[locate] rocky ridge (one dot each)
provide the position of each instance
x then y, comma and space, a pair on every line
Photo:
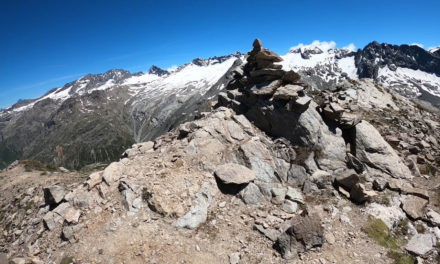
142, 106
274, 166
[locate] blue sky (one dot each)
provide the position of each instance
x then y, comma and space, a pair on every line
45, 44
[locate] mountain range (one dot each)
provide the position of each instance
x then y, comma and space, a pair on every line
95, 118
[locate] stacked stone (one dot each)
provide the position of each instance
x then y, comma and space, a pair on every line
340, 107
262, 78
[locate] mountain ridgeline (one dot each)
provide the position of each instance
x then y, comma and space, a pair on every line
95, 118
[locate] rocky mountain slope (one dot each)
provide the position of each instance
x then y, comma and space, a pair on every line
96, 117
277, 173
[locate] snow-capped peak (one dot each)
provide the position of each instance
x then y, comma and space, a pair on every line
157, 71
417, 44
199, 73
434, 50
322, 56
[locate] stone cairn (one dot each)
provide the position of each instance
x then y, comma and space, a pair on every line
261, 78
261, 82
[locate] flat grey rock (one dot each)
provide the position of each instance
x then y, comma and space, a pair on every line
289, 207
294, 195
414, 206
420, 244
433, 217
232, 173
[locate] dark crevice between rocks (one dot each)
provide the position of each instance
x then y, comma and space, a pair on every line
231, 189
278, 176
332, 126
349, 135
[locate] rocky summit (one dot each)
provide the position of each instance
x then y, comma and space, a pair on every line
275, 172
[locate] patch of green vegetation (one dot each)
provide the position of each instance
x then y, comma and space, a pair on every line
402, 228
401, 258
51, 167
29, 205
383, 198
379, 231
303, 207
88, 169
7, 155
31, 165
68, 260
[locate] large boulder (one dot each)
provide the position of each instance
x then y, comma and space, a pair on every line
94, 179
375, 152
360, 194
328, 142
112, 173
54, 194
305, 128
305, 233
251, 194
63, 212
232, 173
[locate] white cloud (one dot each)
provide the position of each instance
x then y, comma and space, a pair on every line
322, 45
350, 47
417, 44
